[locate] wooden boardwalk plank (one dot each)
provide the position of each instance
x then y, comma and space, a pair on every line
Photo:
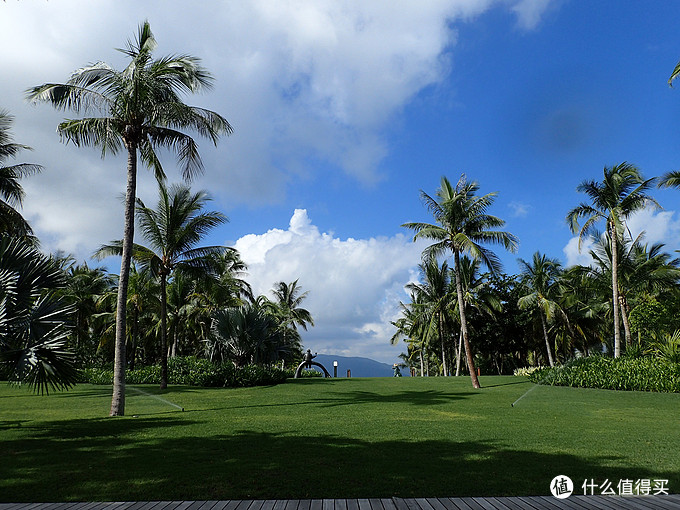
454, 504
671, 502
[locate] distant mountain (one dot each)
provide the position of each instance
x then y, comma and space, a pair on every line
360, 367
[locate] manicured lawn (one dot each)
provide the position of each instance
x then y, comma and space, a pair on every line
332, 439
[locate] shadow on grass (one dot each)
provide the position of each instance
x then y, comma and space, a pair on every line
135, 459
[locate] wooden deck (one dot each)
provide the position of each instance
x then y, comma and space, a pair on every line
670, 502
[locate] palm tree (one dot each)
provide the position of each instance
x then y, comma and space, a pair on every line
34, 318
288, 299
172, 230
621, 193
11, 192
434, 297
541, 277
477, 295
462, 226
412, 328
244, 334
143, 111
85, 290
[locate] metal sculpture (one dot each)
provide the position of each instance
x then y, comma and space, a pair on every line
307, 363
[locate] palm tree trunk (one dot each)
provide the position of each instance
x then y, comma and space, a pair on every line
626, 324
135, 320
118, 398
441, 341
463, 324
545, 336
459, 352
422, 368
164, 334
615, 291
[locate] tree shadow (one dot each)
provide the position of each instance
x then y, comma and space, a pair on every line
163, 459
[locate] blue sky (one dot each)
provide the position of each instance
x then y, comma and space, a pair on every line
343, 111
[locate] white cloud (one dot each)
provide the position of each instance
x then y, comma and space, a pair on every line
300, 80
578, 257
354, 285
658, 227
529, 12
519, 210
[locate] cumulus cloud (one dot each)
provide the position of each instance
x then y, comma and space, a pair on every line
355, 285
301, 81
655, 227
576, 256
658, 227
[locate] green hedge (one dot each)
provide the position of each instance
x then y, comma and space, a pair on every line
193, 371
625, 373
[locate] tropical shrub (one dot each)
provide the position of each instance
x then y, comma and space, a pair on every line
526, 371
193, 371
625, 373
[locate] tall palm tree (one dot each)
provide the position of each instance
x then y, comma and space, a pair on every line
462, 226
541, 277
142, 110
172, 230
11, 192
621, 193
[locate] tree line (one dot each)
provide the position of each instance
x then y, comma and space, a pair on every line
172, 295
547, 314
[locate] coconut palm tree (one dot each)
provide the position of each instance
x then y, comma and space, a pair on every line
412, 328
172, 231
434, 298
11, 192
621, 193
462, 226
477, 295
541, 277
142, 110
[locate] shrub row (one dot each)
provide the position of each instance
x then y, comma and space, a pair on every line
193, 371
625, 373
526, 371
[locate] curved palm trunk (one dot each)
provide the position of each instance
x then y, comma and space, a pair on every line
164, 333
463, 324
118, 398
615, 292
545, 336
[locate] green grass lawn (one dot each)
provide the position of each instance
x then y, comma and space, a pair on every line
341, 438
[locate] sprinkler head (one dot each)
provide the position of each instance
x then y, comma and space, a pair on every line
512, 405
182, 409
